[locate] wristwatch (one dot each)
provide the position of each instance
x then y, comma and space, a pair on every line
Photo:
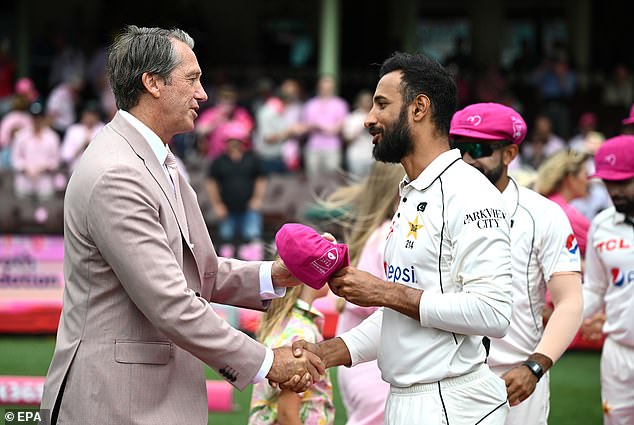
535, 368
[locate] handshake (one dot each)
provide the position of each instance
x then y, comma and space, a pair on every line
298, 367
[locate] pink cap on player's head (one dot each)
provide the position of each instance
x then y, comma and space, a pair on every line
615, 159
489, 121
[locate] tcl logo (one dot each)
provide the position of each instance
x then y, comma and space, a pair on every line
611, 245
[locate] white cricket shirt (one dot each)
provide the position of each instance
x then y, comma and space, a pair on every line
609, 274
542, 243
450, 238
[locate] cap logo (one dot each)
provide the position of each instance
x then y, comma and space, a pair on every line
326, 262
518, 128
474, 120
610, 159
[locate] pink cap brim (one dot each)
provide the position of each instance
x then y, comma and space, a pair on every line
475, 134
612, 175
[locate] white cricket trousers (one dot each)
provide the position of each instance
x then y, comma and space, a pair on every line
478, 398
617, 383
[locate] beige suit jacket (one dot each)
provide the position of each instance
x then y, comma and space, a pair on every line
136, 325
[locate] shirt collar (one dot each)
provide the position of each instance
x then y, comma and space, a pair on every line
433, 170
620, 218
511, 196
155, 142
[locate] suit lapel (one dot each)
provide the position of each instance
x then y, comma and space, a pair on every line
144, 151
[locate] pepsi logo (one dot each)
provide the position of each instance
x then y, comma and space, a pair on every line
571, 244
618, 278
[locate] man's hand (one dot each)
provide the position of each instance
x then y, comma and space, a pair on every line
282, 277
255, 204
301, 345
333, 352
520, 381
592, 328
220, 210
520, 384
295, 372
358, 287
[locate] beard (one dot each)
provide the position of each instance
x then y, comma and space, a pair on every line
493, 174
624, 206
396, 142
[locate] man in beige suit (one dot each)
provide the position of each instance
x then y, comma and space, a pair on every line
140, 268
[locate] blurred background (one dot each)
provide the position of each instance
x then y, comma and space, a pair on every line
566, 65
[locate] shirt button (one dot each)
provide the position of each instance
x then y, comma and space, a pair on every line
198, 294
398, 215
404, 199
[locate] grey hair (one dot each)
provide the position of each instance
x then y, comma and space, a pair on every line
137, 51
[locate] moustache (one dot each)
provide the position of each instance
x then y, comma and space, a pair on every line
374, 131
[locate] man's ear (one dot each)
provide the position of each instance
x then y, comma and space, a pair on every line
422, 105
510, 152
151, 82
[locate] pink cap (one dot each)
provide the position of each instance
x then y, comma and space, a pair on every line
630, 119
308, 256
489, 121
25, 87
615, 159
234, 131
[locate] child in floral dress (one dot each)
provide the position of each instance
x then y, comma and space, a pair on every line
288, 319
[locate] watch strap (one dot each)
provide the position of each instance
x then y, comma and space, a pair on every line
535, 368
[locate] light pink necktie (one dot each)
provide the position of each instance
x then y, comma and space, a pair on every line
172, 168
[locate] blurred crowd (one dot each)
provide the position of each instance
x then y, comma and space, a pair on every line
262, 151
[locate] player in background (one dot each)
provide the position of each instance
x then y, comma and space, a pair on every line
544, 254
609, 278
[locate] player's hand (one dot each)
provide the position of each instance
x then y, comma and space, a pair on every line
301, 345
591, 329
520, 384
358, 287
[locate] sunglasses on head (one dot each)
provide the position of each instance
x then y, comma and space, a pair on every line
479, 149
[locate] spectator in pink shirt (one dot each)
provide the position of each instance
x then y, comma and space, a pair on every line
562, 178
35, 157
62, 101
78, 135
212, 122
323, 118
